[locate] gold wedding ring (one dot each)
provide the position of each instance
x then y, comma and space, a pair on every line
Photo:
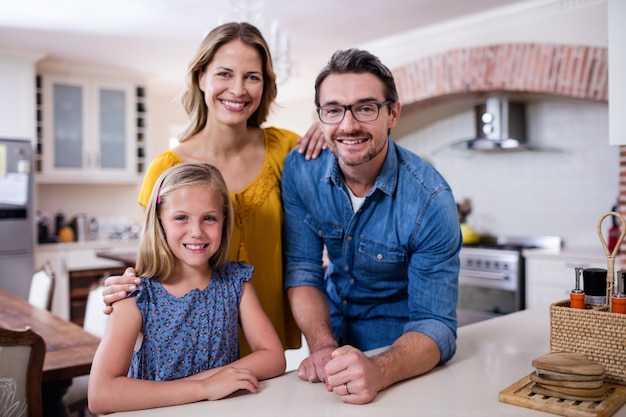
346, 387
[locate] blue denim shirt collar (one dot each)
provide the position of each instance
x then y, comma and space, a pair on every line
386, 181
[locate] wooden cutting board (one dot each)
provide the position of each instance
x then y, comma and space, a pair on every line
578, 394
520, 394
562, 377
598, 383
568, 363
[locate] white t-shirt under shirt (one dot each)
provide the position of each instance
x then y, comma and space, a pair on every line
356, 201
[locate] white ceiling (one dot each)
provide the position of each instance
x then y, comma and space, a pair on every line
158, 37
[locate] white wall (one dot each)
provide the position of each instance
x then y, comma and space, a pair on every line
532, 193
581, 22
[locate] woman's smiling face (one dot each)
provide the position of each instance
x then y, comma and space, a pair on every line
233, 83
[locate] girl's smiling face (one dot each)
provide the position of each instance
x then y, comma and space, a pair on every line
192, 220
233, 83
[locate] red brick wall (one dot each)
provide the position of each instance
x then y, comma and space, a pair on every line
566, 70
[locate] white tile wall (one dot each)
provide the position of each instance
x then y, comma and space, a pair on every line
562, 194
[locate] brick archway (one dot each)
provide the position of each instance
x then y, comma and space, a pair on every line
564, 70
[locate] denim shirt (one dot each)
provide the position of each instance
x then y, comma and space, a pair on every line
393, 264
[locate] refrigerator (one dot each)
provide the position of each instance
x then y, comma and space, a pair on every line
17, 217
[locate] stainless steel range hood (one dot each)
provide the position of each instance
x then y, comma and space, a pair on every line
500, 127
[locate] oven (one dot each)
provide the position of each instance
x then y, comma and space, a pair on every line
492, 277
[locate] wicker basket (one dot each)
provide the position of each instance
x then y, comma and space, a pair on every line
594, 332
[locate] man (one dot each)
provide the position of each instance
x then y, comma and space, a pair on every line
390, 226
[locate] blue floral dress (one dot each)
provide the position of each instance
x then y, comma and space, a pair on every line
183, 336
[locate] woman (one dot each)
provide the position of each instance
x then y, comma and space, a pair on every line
230, 89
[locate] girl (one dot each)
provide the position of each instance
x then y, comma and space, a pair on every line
178, 331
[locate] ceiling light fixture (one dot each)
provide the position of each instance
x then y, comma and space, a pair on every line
253, 11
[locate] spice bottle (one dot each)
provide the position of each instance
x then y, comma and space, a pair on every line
618, 301
594, 283
577, 297
59, 222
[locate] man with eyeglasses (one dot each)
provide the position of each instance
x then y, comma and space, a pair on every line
390, 226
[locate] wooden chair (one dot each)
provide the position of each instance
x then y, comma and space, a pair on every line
42, 288
21, 366
95, 323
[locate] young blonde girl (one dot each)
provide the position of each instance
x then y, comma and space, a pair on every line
174, 340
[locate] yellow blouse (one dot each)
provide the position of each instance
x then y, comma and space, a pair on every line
257, 233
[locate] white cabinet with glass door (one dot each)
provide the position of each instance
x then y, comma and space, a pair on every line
89, 130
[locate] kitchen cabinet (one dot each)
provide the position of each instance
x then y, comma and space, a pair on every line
76, 266
90, 129
550, 275
17, 98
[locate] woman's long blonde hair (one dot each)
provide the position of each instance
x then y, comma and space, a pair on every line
155, 258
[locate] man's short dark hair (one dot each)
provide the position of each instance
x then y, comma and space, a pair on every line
356, 61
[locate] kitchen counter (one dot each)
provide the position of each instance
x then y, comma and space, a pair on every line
550, 273
595, 253
491, 356
87, 244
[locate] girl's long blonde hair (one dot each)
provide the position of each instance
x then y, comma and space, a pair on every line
154, 258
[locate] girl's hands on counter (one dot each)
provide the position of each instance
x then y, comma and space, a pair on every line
228, 380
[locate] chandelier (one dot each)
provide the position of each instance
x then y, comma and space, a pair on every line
253, 12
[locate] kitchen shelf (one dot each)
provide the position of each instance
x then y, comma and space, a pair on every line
141, 128
80, 283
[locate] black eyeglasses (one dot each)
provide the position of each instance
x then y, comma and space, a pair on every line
368, 111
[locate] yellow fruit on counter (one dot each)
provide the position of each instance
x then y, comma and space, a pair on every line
469, 234
66, 234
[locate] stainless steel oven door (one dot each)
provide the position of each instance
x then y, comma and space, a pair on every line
487, 279
481, 303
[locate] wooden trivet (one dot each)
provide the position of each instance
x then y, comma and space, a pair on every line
520, 394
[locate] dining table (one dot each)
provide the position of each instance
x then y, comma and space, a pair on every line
492, 357
69, 348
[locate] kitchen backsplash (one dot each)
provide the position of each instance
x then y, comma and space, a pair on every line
533, 193
114, 207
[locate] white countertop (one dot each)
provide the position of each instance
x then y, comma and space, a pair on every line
595, 253
87, 244
491, 356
